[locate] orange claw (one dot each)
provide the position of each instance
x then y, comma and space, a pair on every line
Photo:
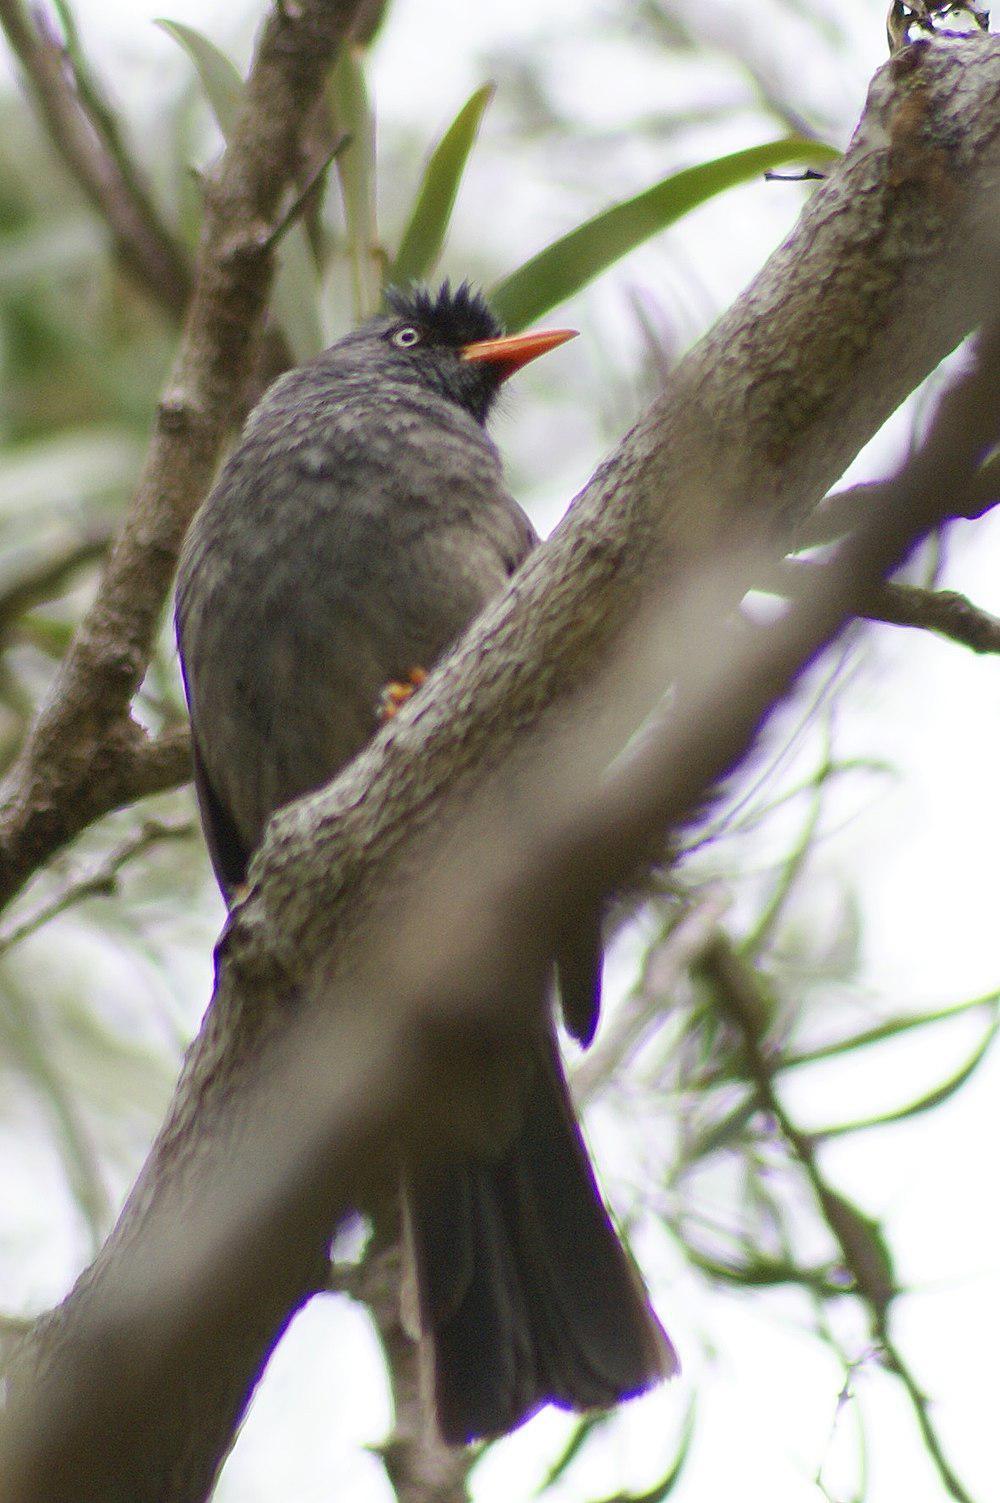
397, 692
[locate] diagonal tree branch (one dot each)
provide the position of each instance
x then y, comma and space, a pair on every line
69, 770
844, 510
943, 611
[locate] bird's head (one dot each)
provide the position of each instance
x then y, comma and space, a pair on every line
452, 341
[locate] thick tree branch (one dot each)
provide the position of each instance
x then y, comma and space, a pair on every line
59, 783
110, 180
375, 984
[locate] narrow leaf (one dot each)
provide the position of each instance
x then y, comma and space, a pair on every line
295, 296
891, 1028
424, 236
582, 1432
926, 1103
577, 258
220, 78
352, 117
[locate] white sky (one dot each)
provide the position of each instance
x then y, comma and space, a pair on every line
922, 855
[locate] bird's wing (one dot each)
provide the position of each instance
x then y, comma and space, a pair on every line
230, 856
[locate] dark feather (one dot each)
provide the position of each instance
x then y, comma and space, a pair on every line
456, 317
527, 1295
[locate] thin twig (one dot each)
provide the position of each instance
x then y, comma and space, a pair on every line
45, 572
301, 198
735, 986
945, 612
100, 882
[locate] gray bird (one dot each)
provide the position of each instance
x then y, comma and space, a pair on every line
359, 526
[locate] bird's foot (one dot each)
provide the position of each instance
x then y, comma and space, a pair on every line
397, 692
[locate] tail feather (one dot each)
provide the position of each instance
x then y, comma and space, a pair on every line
527, 1295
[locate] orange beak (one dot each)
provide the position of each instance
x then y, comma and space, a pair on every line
511, 351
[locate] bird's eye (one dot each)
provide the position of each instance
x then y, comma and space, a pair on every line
405, 339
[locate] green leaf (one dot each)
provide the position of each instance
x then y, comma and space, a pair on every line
352, 117
295, 296
866, 1252
582, 1432
577, 258
220, 78
424, 236
925, 1103
891, 1028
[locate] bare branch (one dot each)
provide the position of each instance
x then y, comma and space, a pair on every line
101, 882
418, 1464
844, 510
45, 572
943, 611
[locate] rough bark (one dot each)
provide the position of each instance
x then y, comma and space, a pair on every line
892, 262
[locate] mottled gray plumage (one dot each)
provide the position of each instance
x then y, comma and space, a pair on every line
359, 526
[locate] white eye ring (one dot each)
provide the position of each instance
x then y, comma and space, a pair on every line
405, 339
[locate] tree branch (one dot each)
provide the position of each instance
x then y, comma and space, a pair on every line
418, 1464
844, 510
66, 775
943, 611
28, 580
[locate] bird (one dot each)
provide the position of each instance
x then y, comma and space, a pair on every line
358, 527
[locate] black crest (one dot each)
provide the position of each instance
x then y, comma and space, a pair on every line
456, 318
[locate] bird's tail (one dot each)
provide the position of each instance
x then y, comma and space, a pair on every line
527, 1295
